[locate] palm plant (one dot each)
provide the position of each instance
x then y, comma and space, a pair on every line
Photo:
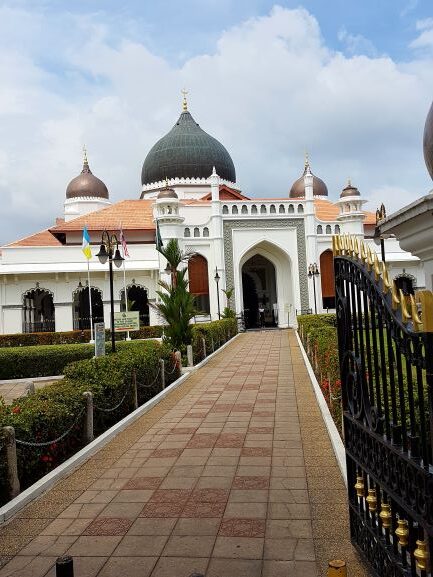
175, 256
228, 312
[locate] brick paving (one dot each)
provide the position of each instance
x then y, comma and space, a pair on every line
214, 482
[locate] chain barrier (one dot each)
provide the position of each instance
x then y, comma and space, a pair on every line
104, 410
172, 371
150, 385
46, 443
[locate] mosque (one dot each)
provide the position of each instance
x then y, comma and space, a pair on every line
274, 252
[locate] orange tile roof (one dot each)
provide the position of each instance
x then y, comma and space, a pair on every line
132, 214
43, 238
327, 211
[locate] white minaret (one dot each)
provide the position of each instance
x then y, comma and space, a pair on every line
351, 214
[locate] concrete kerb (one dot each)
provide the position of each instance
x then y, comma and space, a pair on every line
34, 379
334, 435
15, 505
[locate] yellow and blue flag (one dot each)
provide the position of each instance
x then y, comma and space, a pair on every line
87, 251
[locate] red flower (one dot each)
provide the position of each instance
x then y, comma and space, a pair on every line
45, 458
53, 446
16, 410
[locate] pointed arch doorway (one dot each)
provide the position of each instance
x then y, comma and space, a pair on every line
259, 290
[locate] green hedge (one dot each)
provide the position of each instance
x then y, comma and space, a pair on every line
215, 333
52, 410
70, 337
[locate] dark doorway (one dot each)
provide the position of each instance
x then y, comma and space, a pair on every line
259, 292
38, 311
137, 301
81, 305
405, 283
251, 302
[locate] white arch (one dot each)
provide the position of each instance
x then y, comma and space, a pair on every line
283, 266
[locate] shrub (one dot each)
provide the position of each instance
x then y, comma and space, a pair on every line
215, 333
54, 409
71, 337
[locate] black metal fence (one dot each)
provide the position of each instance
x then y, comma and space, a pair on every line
46, 326
386, 363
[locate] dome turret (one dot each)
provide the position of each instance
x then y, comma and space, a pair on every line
86, 184
298, 187
349, 190
187, 151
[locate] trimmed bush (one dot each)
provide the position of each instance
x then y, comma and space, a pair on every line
215, 333
52, 410
71, 337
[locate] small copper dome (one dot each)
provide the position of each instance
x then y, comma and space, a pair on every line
298, 187
167, 193
428, 141
86, 184
349, 190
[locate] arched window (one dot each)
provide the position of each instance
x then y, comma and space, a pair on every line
337, 229
328, 229
405, 282
300, 208
281, 209
81, 307
137, 301
199, 282
38, 311
196, 232
327, 279
206, 231
234, 209
291, 209
225, 209
244, 209
319, 229
254, 209
272, 209
263, 209
187, 232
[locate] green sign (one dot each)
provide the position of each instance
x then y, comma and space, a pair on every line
126, 321
99, 332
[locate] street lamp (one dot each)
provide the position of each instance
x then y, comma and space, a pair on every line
110, 251
217, 280
313, 271
380, 238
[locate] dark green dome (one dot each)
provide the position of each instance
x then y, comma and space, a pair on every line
187, 151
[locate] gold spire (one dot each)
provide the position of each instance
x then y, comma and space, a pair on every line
85, 161
184, 103
349, 183
307, 159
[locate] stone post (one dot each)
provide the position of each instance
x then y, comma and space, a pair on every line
162, 365
203, 340
88, 421
189, 355
134, 389
11, 460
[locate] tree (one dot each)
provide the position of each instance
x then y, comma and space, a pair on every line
228, 312
177, 304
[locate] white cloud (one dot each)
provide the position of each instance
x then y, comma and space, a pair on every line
424, 41
356, 43
271, 90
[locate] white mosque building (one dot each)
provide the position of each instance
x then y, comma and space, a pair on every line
265, 248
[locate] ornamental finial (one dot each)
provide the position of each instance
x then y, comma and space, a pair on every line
307, 159
85, 161
184, 104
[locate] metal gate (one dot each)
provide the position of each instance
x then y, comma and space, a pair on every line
385, 343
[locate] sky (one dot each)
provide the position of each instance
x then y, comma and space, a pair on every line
350, 82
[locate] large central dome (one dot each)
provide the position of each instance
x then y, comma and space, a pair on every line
187, 151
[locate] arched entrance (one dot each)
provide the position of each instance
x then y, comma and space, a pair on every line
259, 292
137, 301
81, 307
327, 279
38, 311
199, 282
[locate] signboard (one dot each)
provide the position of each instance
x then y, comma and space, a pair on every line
126, 321
99, 332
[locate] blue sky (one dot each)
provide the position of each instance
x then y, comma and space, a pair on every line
351, 81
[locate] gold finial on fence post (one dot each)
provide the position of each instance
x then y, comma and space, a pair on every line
421, 555
337, 568
425, 298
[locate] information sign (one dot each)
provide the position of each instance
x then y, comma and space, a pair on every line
99, 331
126, 321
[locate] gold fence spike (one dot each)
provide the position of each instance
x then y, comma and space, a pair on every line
402, 532
421, 555
385, 277
356, 247
334, 245
364, 255
376, 267
371, 500
395, 301
425, 298
417, 323
385, 515
359, 486
370, 260
405, 315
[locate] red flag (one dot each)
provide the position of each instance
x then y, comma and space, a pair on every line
123, 243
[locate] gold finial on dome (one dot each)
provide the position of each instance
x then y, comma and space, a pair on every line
349, 183
85, 161
307, 159
184, 103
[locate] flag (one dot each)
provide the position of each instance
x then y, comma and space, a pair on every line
123, 243
158, 239
87, 251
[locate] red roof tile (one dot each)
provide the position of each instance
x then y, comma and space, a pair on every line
43, 238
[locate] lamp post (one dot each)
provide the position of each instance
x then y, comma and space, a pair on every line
378, 237
110, 251
217, 280
313, 271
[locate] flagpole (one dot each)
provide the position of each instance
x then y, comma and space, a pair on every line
92, 340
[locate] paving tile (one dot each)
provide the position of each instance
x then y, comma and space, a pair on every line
239, 527
141, 546
119, 510
163, 510
133, 496
283, 528
234, 568
289, 569
280, 549
152, 526
108, 526
214, 483
188, 545
170, 496
48, 545
239, 547
90, 546
197, 526
247, 510
256, 452
210, 495
163, 453
83, 566
199, 510
179, 483
251, 482
180, 566
128, 567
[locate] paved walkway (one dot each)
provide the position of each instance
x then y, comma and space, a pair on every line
11, 390
223, 478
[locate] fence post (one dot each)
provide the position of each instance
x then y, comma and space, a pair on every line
203, 340
189, 355
178, 357
11, 459
162, 364
330, 392
134, 388
88, 422
30, 388
213, 346
65, 566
